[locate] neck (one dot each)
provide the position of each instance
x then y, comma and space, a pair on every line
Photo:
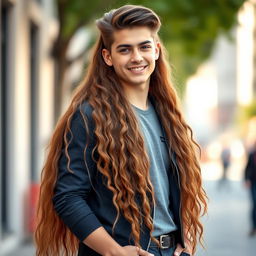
137, 96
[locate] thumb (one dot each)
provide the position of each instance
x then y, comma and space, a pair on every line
178, 250
142, 252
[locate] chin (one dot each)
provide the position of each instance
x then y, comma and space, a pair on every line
138, 83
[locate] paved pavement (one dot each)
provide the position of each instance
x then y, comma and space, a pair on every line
226, 226
228, 223
26, 249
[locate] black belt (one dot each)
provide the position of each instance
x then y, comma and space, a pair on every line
166, 241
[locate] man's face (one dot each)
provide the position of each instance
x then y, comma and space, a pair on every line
133, 56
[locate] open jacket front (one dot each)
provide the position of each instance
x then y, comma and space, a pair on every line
82, 199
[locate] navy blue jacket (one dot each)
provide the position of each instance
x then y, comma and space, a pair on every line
83, 201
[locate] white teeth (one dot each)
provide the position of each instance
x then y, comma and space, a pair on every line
137, 68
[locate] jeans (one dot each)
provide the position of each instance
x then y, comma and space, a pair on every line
253, 193
163, 252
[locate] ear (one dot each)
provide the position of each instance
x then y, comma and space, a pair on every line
157, 50
107, 57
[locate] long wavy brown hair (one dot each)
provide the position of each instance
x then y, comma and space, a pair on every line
124, 162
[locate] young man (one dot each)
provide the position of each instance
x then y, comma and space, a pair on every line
122, 174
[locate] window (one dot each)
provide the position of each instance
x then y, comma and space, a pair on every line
5, 13
34, 60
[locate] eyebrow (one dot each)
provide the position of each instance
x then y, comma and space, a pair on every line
129, 45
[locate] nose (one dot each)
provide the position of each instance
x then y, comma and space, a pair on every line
136, 56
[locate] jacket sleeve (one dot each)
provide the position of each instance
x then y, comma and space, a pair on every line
73, 188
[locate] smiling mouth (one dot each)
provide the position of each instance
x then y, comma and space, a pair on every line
137, 69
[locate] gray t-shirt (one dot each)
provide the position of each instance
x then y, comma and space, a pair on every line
159, 165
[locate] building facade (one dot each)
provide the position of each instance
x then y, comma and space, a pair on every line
226, 81
28, 28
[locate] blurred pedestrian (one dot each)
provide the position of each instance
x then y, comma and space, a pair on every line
225, 162
250, 181
122, 175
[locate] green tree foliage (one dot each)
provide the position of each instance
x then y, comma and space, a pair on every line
190, 28
249, 111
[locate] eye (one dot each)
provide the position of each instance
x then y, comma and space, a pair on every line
146, 47
124, 50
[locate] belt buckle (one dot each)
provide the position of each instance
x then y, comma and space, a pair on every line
162, 242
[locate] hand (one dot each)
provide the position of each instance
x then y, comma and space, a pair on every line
247, 184
130, 250
179, 250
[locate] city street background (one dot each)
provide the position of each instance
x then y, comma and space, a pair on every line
45, 49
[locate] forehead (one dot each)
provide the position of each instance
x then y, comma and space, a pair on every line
132, 36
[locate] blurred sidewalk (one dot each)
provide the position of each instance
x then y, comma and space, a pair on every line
26, 249
227, 223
